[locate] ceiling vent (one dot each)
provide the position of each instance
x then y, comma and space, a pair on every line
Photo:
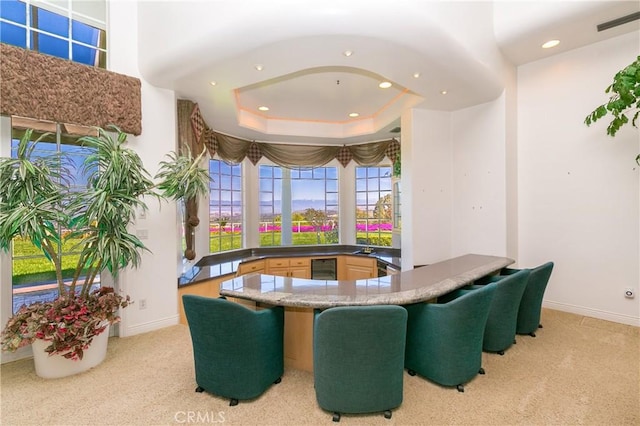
619, 21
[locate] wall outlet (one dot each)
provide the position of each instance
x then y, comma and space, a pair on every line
629, 293
142, 304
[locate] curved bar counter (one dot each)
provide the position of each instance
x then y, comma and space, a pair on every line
407, 287
301, 296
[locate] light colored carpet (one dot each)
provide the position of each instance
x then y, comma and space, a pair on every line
578, 371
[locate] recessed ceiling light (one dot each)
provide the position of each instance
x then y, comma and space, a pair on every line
347, 53
443, 92
259, 67
213, 83
384, 85
263, 108
550, 44
354, 114
416, 74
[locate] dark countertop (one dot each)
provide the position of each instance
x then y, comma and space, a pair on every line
407, 287
220, 264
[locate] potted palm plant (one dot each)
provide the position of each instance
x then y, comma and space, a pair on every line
37, 204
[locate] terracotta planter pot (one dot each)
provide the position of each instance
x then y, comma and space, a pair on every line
56, 366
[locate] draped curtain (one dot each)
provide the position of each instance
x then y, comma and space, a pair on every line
235, 150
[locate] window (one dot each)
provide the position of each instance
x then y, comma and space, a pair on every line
75, 33
298, 206
33, 276
373, 206
225, 206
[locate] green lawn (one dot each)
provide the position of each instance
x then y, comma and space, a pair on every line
38, 269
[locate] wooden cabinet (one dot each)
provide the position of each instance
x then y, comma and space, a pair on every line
298, 338
298, 267
253, 266
279, 267
357, 268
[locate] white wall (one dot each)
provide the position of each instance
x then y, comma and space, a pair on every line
155, 281
6, 288
578, 188
454, 183
479, 196
426, 187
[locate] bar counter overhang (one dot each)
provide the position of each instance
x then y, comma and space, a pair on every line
413, 286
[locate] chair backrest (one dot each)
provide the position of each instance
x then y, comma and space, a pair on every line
444, 340
359, 357
217, 322
539, 279
500, 330
531, 302
237, 351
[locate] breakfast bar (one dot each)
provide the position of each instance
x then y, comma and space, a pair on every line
301, 296
413, 286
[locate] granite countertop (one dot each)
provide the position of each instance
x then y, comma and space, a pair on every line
403, 288
221, 264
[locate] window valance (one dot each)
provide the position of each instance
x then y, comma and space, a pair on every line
235, 150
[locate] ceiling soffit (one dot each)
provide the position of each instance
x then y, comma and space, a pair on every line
332, 93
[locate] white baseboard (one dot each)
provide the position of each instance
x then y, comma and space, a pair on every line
148, 326
594, 313
130, 331
24, 352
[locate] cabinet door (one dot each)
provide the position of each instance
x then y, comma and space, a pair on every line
300, 267
358, 268
300, 272
281, 272
355, 272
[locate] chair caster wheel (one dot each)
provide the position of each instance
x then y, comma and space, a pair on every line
233, 402
199, 389
336, 417
411, 372
500, 353
460, 388
278, 380
387, 414
481, 371
532, 334
539, 325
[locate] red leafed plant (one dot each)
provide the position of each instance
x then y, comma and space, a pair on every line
69, 324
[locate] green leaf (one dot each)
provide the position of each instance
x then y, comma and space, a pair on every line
624, 93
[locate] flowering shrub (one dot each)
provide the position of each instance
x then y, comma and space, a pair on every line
373, 227
70, 323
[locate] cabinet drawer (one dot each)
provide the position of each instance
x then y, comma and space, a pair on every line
278, 263
299, 262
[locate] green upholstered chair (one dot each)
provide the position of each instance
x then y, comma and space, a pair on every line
500, 329
237, 351
358, 358
531, 303
444, 339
